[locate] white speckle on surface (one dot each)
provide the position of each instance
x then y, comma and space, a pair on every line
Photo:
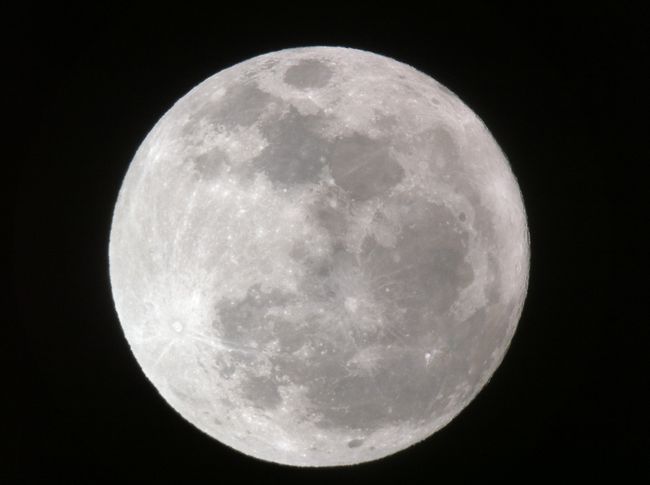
351, 304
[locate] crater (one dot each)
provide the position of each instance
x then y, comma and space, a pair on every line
355, 443
308, 73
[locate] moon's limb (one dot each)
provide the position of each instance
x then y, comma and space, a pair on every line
319, 256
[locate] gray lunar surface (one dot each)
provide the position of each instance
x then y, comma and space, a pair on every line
319, 256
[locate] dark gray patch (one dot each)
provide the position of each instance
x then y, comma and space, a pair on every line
289, 337
262, 392
494, 274
308, 73
295, 153
395, 391
444, 145
299, 251
317, 266
355, 443
364, 167
432, 268
386, 123
256, 70
349, 403
399, 390
410, 385
437, 146
210, 164
462, 216
489, 329
241, 105
246, 322
332, 220
329, 211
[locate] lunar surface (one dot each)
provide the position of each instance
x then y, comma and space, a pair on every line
319, 256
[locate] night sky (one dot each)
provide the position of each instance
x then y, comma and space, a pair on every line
558, 90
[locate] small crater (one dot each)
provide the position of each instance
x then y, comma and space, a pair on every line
462, 216
355, 443
177, 326
308, 73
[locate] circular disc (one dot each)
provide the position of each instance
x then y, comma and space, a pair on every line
319, 256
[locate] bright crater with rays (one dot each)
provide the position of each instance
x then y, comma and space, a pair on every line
319, 256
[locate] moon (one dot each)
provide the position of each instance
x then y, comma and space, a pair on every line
319, 256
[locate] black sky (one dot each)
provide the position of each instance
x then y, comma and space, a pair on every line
558, 90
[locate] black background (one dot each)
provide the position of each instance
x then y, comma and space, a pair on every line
556, 88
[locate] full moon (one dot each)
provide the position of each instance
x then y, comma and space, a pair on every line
319, 256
